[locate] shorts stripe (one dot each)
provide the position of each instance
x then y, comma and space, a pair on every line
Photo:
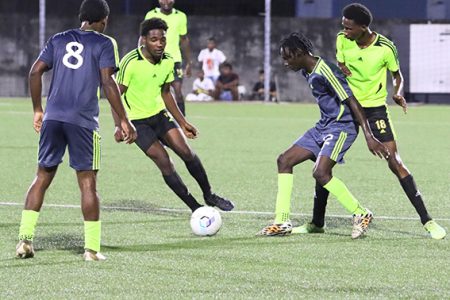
96, 151
390, 123
339, 144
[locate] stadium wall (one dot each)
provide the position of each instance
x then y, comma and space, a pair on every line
241, 39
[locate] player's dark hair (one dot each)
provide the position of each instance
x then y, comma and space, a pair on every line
357, 12
153, 23
212, 39
296, 41
226, 65
93, 10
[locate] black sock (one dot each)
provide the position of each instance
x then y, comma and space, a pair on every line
197, 171
182, 108
176, 184
320, 204
410, 188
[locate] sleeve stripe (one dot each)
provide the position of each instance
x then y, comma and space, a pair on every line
334, 82
386, 42
123, 65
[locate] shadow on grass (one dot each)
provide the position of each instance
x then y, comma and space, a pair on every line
142, 206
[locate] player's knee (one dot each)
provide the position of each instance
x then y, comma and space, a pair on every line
322, 176
283, 162
186, 155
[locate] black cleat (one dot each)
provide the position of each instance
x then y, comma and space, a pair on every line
222, 203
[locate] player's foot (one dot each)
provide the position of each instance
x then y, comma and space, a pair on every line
276, 229
90, 255
360, 224
435, 230
24, 249
222, 203
308, 228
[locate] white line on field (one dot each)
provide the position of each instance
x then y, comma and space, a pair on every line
239, 212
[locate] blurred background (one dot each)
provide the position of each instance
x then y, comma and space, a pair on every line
419, 28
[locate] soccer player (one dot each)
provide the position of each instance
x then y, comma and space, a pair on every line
326, 142
82, 60
176, 36
144, 79
365, 56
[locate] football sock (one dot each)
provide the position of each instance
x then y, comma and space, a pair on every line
92, 234
197, 171
320, 204
28, 224
179, 188
343, 195
410, 188
182, 108
283, 205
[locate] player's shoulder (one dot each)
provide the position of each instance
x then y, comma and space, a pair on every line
133, 55
167, 59
385, 43
178, 13
340, 36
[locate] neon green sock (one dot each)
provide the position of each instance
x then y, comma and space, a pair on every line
28, 224
283, 206
343, 195
92, 234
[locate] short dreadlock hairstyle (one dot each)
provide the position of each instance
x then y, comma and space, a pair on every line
93, 11
295, 42
153, 23
358, 13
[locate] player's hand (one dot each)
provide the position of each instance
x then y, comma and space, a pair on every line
400, 100
344, 69
377, 148
118, 134
188, 71
37, 120
189, 130
129, 134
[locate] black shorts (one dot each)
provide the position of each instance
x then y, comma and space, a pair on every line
178, 71
380, 123
154, 128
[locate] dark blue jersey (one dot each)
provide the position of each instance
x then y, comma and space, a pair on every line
330, 88
76, 57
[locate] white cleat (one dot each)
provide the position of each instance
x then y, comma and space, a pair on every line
24, 249
93, 256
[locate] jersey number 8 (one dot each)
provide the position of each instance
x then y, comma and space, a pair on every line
73, 53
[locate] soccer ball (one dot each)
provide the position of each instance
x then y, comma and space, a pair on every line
206, 221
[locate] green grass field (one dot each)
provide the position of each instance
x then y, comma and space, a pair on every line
153, 254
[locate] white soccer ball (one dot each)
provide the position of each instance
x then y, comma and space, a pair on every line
206, 221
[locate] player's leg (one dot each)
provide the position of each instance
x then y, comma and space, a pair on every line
176, 85
235, 93
52, 145
176, 140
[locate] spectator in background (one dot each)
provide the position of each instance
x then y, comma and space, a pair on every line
210, 59
202, 88
258, 89
227, 84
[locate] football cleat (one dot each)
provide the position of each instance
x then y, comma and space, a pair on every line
360, 224
307, 228
93, 256
222, 203
435, 230
276, 229
24, 249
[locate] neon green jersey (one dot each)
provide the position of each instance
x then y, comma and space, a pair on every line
144, 81
177, 23
369, 67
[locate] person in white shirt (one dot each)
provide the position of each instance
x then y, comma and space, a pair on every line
210, 59
202, 88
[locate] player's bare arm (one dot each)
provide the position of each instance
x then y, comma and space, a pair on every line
344, 69
112, 93
374, 145
398, 82
35, 81
189, 130
186, 52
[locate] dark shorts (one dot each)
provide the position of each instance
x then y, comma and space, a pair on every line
83, 145
331, 142
154, 128
178, 71
380, 123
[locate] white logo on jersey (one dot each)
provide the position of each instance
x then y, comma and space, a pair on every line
75, 54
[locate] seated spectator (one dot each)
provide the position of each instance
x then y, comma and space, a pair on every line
227, 84
210, 59
202, 88
258, 89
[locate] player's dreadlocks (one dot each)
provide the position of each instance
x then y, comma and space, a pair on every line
296, 41
357, 12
